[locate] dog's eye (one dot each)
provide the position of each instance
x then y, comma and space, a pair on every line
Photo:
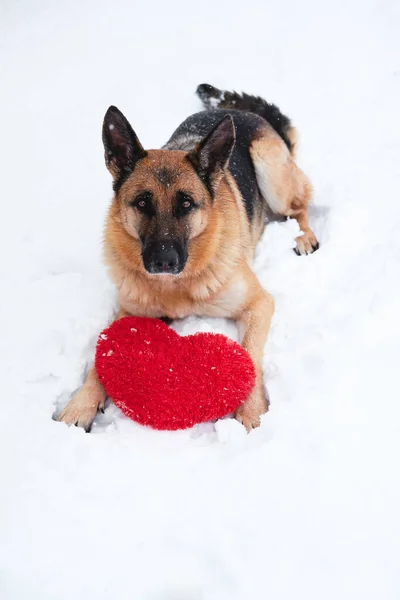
184, 203
143, 203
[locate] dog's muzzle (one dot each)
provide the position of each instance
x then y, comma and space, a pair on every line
164, 257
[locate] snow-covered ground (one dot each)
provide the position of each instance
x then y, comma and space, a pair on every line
305, 507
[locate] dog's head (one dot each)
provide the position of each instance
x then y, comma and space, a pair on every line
165, 198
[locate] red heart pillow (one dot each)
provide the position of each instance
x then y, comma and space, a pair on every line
166, 381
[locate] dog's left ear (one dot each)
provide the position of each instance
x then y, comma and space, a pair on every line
122, 148
211, 156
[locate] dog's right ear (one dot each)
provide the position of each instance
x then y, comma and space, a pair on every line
122, 148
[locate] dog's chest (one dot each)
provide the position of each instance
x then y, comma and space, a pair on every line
178, 304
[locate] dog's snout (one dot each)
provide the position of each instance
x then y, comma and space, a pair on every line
165, 259
162, 257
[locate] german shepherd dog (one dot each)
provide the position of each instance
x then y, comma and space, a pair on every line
184, 222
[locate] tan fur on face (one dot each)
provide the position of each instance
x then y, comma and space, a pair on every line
223, 242
164, 173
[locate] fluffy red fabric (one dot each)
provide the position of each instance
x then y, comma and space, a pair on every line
166, 381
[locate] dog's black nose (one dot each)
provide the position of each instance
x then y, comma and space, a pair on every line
162, 257
166, 260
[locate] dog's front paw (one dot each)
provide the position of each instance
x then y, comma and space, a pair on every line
249, 413
306, 243
82, 409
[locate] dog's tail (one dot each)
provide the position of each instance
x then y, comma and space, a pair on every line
214, 98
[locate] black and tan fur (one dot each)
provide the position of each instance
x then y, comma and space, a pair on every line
184, 222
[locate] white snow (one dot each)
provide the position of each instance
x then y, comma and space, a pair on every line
305, 507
